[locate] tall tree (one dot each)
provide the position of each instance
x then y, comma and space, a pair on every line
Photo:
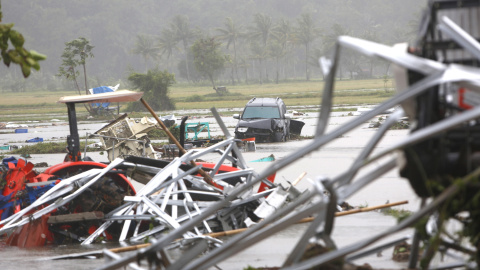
155, 86
167, 44
68, 69
75, 54
276, 51
262, 30
313, 59
285, 35
195, 76
208, 59
330, 39
257, 53
371, 35
231, 34
146, 47
181, 27
307, 32
243, 64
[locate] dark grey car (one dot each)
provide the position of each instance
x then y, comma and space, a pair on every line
266, 119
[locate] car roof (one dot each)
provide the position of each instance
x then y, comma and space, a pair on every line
267, 102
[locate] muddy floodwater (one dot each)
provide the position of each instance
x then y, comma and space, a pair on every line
331, 160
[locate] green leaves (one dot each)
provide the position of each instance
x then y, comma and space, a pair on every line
154, 84
25, 71
208, 59
33, 59
37, 56
75, 54
146, 47
16, 38
18, 54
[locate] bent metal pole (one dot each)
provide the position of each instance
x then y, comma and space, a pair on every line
205, 175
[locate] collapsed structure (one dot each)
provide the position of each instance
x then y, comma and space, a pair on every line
435, 81
80, 200
183, 201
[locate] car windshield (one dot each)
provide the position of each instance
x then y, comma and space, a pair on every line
261, 112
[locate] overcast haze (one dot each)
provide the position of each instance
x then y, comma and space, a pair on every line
113, 26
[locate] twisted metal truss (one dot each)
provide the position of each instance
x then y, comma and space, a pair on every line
312, 202
187, 220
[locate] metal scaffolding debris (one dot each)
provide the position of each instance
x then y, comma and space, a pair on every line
434, 76
183, 201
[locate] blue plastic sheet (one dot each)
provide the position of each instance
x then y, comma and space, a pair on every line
99, 90
5, 161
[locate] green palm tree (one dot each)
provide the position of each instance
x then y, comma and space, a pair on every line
261, 30
243, 64
145, 46
330, 39
167, 44
276, 51
284, 34
231, 34
183, 33
371, 35
257, 53
314, 57
307, 32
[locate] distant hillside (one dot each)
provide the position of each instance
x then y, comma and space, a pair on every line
113, 26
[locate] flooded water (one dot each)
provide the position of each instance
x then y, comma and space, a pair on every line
330, 161
39, 258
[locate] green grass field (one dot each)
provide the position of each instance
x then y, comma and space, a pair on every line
41, 105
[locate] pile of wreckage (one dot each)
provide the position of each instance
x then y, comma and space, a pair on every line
184, 201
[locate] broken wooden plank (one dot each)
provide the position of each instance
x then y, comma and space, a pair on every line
96, 215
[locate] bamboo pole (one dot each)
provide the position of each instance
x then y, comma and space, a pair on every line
300, 177
129, 248
309, 219
359, 210
205, 175
233, 232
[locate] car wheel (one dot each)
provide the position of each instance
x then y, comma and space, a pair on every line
278, 137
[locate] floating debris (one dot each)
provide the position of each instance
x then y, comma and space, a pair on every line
41, 165
401, 252
126, 136
5, 147
265, 159
35, 140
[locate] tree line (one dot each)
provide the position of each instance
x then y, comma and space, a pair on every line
262, 51
255, 42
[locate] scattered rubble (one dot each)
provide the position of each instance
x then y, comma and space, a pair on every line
184, 201
401, 252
